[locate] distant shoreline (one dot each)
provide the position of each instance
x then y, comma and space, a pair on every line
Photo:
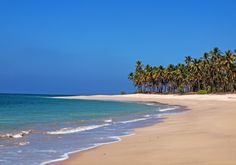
205, 134
148, 97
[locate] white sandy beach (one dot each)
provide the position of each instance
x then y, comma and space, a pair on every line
205, 135
156, 97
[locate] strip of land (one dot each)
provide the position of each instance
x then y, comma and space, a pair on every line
205, 135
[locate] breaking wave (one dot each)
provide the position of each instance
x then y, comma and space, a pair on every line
131, 121
75, 130
15, 135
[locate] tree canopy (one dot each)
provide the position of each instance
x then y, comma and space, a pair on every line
215, 71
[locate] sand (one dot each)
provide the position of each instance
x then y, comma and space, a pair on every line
204, 135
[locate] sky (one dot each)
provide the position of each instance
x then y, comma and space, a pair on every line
89, 47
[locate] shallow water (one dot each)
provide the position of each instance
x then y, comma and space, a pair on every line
40, 129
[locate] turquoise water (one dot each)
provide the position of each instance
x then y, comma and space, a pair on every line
36, 129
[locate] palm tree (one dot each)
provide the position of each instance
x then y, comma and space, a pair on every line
214, 71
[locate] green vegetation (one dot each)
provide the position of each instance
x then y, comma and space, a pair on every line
202, 92
214, 72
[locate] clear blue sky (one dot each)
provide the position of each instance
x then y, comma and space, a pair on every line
89, 47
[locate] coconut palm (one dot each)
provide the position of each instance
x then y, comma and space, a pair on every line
214, 72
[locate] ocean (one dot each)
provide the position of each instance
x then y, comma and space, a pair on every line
40, 129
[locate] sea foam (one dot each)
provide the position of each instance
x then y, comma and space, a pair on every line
131, 121
75, 130
108, 121
15, 135
167, 109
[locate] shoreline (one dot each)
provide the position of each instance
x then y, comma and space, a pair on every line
68, 155
86, 157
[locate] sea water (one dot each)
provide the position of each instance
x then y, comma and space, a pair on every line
36, 129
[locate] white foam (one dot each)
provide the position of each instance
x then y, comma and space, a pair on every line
23, 143
108, 121
131, 121
167, 109
75, 130
15, 136
150, 103
146, 116
66, 155
116, 138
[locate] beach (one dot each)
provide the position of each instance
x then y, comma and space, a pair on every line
205, 134
39, 130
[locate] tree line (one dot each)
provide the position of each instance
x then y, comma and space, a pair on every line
215, 71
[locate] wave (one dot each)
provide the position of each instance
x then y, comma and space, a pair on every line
167, 109
146, 116
75, 130
108, 121
131, 121
66, 155
150, 103
24, 143
15, 135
